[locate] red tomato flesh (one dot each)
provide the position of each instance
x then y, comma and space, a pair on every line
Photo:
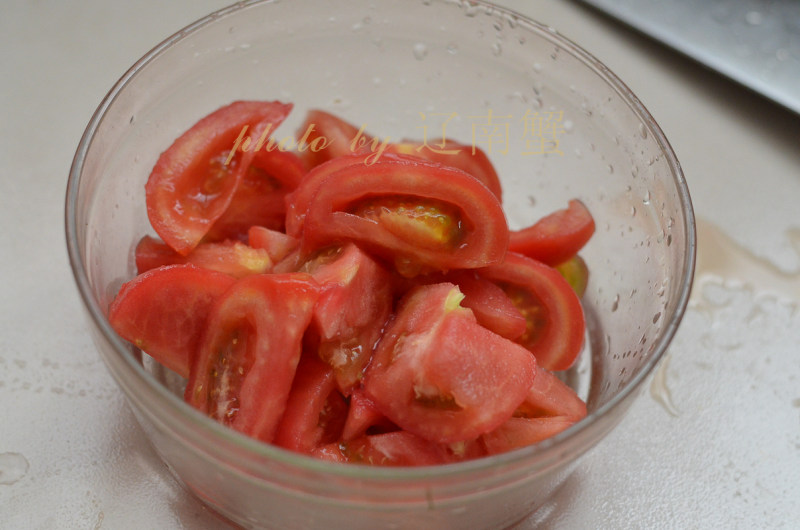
248, 355
555, 320
557, 237
193, 181
230, 257
315, 411
439, 374
163, 312
260, 198
467, 158
419, 215
354, 304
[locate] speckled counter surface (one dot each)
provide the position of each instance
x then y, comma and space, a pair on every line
713, 442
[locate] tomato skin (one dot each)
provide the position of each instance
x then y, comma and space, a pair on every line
229, 257
556, 237
191, 184
259, 199
164, 311
297, 201
304, 426
437, 373
556, 321
467, 158
482, 236
249, 352
354, 304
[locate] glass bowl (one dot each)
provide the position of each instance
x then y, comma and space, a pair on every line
556, 123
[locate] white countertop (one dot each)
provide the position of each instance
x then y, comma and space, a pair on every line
714, 442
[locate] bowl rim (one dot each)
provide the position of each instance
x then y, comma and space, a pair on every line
541, 455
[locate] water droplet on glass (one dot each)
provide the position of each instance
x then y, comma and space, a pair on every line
13, 466
633, 211
615, 304
646, 198
610, 169
497, 49
452, 48
420, 51
537, 67
568, 125
642, 130
634, 171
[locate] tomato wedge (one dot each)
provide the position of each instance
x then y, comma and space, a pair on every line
327, 137
550, 397
259, 199
277, 244
555, 320
422, 216
354, 304
363, 416
522, 432
297, 201
556, 237
230, 257
193, 181
249, 352
315, 411
163, 312
440, 374
467, 158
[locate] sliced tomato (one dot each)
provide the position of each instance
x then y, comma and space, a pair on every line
326, 137
522, 432
467, 158
555, 320
297, 201
492, 307
277, 244
163, 312
315, 411
440, 374
398, 448
364, 417
230, 257
249, 352
259, 199
353, 308
421, 215
550, 397
194, 180
556, 237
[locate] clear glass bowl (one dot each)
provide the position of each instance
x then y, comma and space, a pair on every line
556, 123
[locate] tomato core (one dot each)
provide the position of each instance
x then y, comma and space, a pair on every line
430, 222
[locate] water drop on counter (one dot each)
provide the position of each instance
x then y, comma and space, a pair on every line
13, 466
420, 51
